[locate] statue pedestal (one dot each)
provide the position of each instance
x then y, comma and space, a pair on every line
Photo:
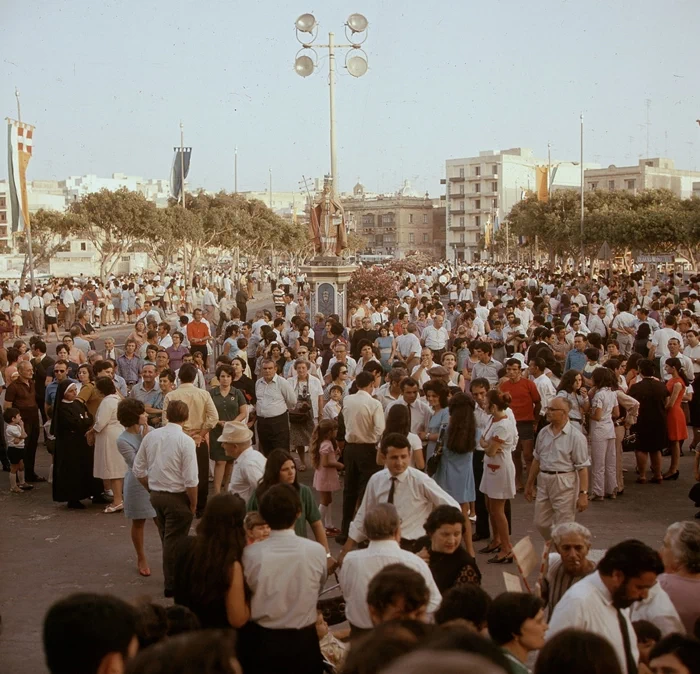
328, 278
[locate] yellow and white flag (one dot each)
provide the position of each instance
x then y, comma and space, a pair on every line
20, 138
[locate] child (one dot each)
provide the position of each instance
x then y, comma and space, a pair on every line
323, 450
14, 439
52, 319
332, 649
99, 309
256, 528
16, 321
290, 356
648, 635
333, 407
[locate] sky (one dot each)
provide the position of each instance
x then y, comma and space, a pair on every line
107, 83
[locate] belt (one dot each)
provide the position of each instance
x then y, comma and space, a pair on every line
557, 472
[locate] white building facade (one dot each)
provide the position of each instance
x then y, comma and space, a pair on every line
481, 190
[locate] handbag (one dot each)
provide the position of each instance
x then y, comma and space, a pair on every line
434, 461
301, 413
332, 608
629, 442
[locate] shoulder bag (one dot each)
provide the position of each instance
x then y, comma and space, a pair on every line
434, 461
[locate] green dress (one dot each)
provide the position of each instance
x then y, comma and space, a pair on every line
309, 510
229, 408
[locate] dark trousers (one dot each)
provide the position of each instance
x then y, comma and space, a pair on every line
173, 517
203, 475
273, 433
267, 651
243, 308
482, 514
360, 462
203, 350
437, 355
30, 444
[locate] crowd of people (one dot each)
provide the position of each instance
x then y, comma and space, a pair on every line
425, 414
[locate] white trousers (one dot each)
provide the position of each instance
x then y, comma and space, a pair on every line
603, 467
555, 502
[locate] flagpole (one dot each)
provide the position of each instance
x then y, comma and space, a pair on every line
27, 223
182, 190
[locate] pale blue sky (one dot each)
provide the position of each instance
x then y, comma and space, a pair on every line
106, 84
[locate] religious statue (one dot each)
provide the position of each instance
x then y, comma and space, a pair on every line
327, 224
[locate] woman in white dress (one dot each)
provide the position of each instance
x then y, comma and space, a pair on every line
604, 409
498, 481
109, 464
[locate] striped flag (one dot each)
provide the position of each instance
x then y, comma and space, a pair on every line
20, 138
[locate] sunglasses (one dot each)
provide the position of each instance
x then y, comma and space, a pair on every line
60, 371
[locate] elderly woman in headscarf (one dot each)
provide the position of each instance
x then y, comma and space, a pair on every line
73, 478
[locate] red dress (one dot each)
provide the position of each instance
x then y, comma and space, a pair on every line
675, 419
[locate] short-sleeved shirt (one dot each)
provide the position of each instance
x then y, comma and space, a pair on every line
23, 397
524, 395
13, 436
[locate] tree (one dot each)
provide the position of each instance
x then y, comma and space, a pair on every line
112, 221
163, 239
49, 231
373, 281
356, 244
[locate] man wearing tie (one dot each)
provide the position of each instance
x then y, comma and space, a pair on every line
111, 352
414, 494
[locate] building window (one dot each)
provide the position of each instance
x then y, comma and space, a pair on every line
494, 169
477, 204
83, 246
461, 239
461, 189
494, 203
3, 216
3, 202
593, 186
477, 170
411, 237
410, 218
477, 221
367, 219
425, 218
461, 205
461, 173
477, 187
611, 185
494, 186
631, 184
461, 221
125, 258
425, 238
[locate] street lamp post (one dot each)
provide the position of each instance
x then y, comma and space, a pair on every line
355, 62
583, 252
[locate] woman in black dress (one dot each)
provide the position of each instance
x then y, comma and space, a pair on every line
73, 478
444, 551
650, 428
208, 572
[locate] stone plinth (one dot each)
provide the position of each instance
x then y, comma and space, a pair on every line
328, 278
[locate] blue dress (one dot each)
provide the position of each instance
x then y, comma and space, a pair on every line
137, 502
385, 344
440, 418
455, 475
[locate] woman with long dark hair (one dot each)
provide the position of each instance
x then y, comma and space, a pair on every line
281, 469
208, 573
398, 420
571, 388
455, 473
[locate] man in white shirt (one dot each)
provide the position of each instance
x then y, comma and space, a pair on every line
659, 341
383, 528
600, 602
623, 324
408, 346
285, 574
249, 464
414, 494
435, 337
545, 388
364, 424
275, 397
523, 313
166, 465
290, 307
419, 412
164, 338
341, 356
674, 351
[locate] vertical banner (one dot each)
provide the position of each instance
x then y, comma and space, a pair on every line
20, 139
176, 177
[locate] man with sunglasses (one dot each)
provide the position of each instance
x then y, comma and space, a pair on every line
60, 373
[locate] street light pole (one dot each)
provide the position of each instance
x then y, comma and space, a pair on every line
583, 252
331, 91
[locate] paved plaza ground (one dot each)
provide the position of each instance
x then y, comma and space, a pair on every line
47, 551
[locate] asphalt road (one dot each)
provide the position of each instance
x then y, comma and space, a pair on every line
47, 551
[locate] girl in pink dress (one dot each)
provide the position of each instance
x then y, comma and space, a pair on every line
324, 457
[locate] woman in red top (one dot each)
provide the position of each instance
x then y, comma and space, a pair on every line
675, 418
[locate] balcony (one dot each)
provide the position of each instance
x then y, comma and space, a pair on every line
458, 228
479, 177
454, 195
461, 211
457, 179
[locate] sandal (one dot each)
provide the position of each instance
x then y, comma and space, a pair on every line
15, 490
114, 508
506, 559
489, 549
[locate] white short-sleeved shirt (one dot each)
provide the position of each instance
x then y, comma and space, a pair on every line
604, 429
